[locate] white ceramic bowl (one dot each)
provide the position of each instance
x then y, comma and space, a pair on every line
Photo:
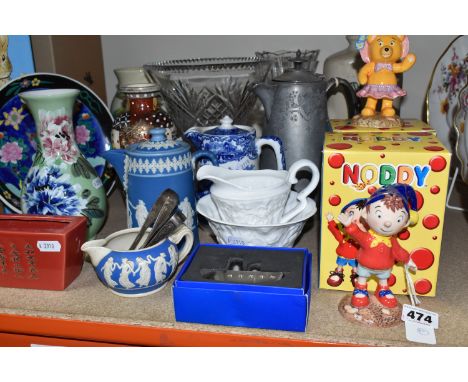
269, 235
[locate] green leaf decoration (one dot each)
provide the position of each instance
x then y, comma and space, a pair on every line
76, 170
94, 213
85, 194
87, 167
39, 159
93, 202
81, 168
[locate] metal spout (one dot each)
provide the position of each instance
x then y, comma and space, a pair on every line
266, 93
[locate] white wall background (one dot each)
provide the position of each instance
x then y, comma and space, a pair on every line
122, 51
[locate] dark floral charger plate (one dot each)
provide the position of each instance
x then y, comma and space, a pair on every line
18, 142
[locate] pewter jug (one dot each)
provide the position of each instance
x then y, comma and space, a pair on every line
296, 111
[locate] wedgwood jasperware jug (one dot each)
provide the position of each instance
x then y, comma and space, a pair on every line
258, 197
296, 111
236, 146
136, 273
147, 168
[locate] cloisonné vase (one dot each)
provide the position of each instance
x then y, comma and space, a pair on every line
60, 181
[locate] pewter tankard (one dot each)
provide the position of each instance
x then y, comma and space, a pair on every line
295, 105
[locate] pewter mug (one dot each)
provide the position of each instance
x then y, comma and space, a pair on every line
296, 111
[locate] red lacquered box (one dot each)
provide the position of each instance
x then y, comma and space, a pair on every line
40, 252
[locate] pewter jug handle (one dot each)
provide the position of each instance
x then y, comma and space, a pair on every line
277, 146
176, 238
349, 93
302, 196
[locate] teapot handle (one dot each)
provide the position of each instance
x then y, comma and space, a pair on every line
301, 196
276, 144
197, 155
176, 238
349, 93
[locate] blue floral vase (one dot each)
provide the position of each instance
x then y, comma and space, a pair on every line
60, 181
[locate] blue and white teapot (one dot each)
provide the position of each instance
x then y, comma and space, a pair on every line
148, 168
236, 147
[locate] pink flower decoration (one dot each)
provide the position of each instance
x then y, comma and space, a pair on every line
59, 119
52, 148
11, 152
66, 128
81, 134
68, 152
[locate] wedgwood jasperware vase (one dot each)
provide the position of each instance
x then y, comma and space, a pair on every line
147, 168
60, 181
296, 112
137, 273
236, 146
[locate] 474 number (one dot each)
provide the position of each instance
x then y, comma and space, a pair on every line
418, 316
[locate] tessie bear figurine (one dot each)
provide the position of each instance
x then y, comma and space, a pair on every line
387, 212
347, 247
381, 55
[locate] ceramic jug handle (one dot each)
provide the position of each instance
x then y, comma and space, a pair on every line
197, 155
349, 93
176, 238
276, 144
302, 196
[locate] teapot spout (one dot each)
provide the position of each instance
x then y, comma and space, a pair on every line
95, 250
265, 92
116, 158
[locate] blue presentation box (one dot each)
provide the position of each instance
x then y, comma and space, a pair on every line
247, 305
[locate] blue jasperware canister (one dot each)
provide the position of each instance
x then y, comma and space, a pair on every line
147, 168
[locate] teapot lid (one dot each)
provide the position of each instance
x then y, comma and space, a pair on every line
298, 74
159, 145
227, 128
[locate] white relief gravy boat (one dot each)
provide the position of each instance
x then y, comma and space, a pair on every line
253, 197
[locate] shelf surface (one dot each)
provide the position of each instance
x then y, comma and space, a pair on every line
89, 301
